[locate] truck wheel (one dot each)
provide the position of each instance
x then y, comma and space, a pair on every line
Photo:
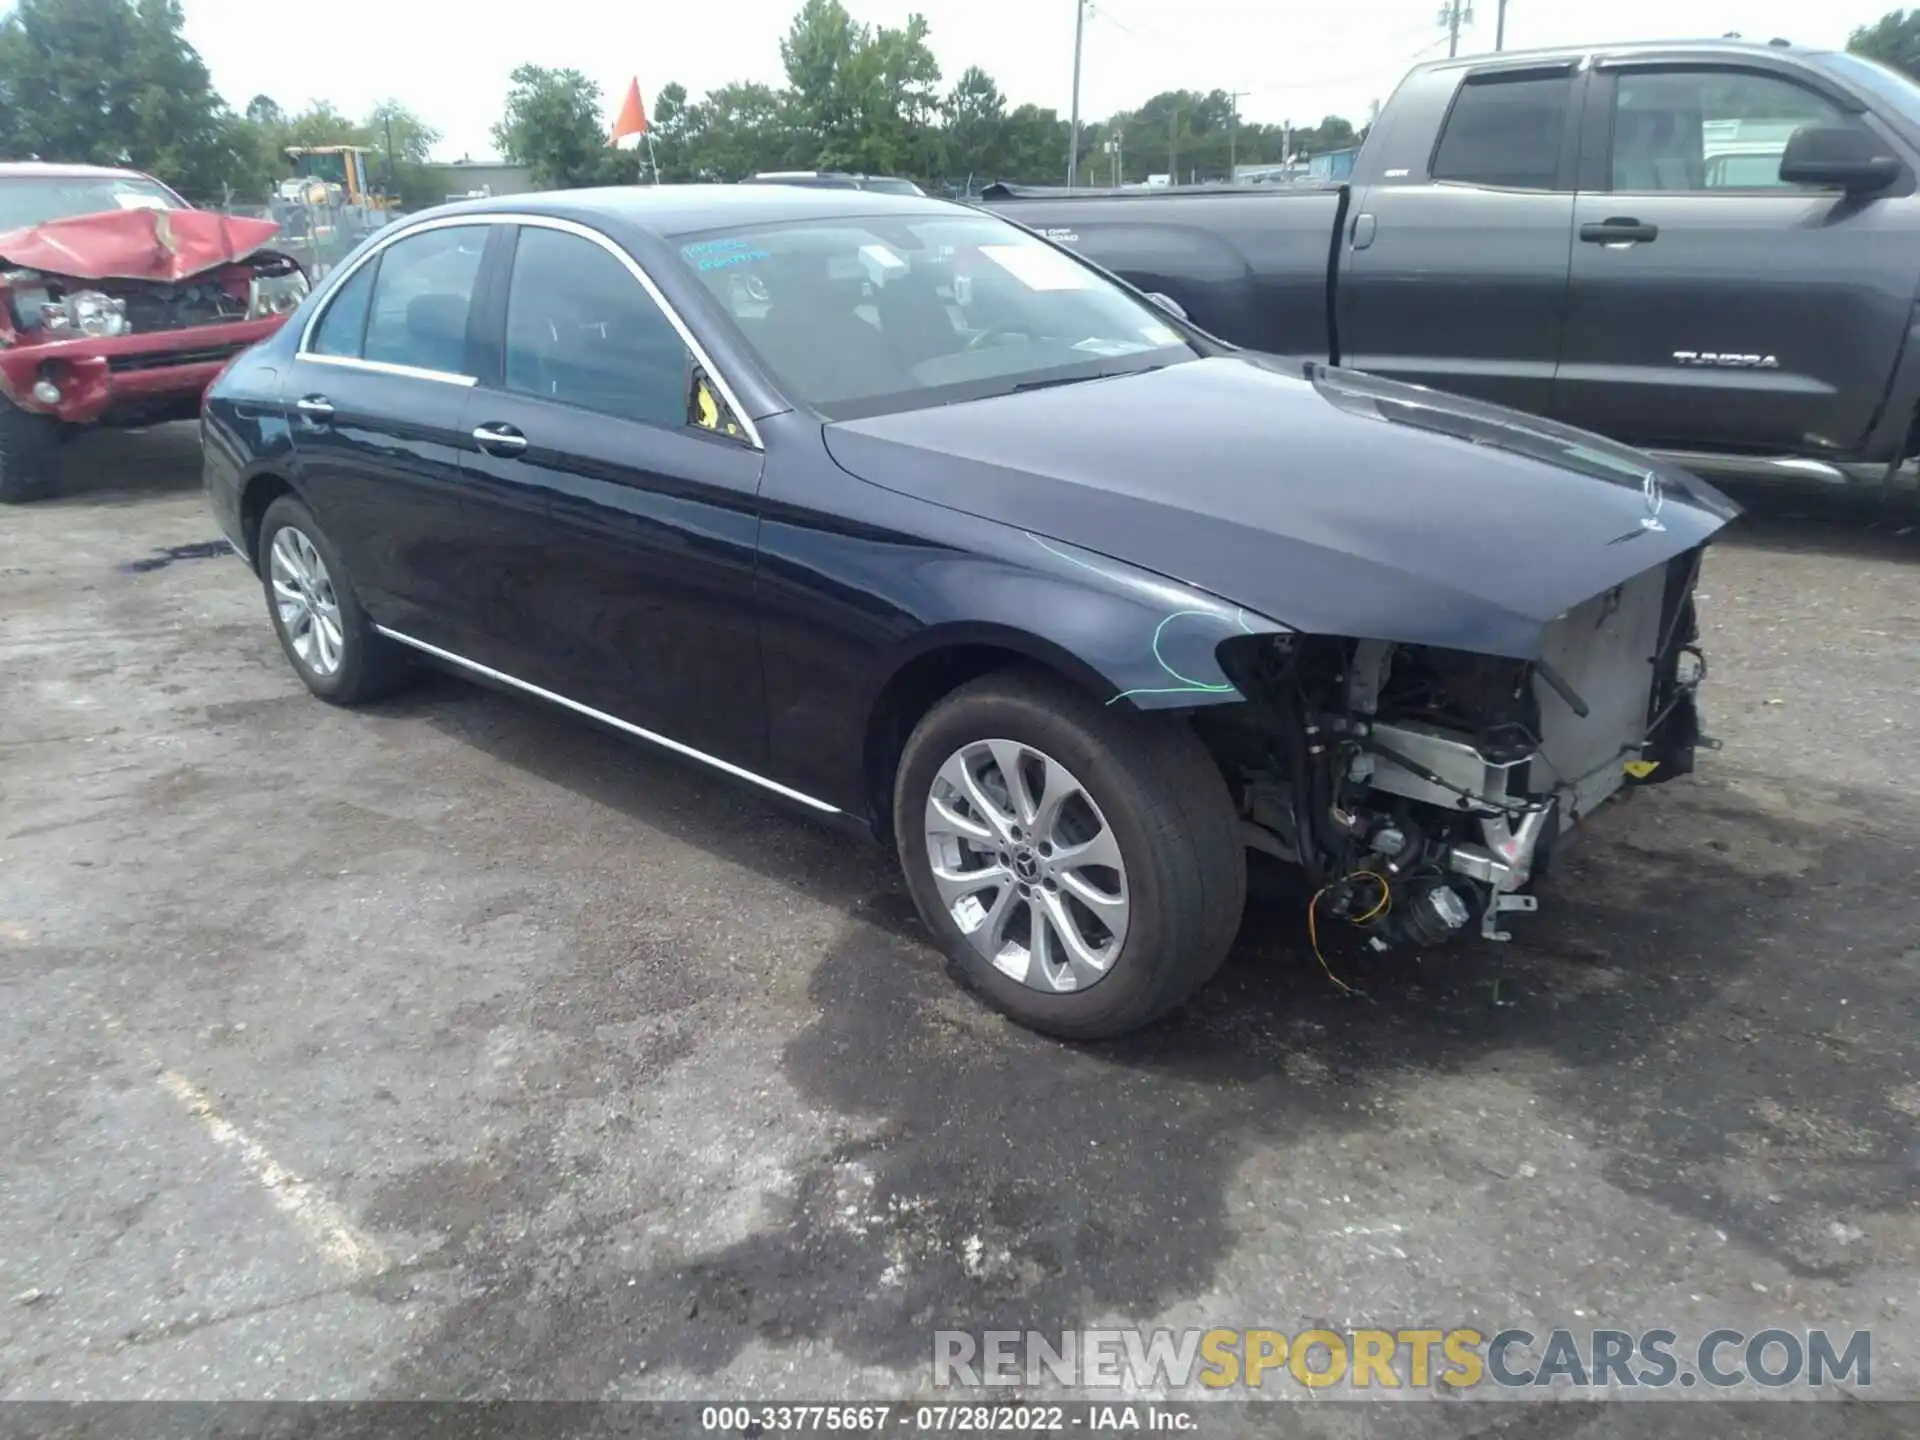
1081, 867
327, 637
29, 455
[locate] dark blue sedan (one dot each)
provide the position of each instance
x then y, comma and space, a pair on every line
900, 512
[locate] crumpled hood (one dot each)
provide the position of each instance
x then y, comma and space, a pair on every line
143, 244
1343, 505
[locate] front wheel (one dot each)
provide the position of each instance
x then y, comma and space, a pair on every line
29, 455
1081, 867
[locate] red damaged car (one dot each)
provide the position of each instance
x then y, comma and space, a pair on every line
119, 303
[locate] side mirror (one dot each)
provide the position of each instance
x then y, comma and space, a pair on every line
1168, 304
1845, 157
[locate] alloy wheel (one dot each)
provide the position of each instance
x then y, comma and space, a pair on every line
1026, 865
304, 598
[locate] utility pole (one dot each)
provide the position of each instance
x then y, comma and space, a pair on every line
1233, 131
1500, 26
1073, 124
1173, 146
1451, 14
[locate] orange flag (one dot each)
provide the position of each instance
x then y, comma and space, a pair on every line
633, 115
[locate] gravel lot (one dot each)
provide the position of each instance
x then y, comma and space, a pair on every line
455, 1047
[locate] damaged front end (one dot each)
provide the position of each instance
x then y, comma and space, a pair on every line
1423, 790
125, 318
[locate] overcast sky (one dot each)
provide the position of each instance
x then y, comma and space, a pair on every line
449, 59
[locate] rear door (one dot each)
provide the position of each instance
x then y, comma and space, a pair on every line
1456, 269
613, 501
1711, 306
376, 394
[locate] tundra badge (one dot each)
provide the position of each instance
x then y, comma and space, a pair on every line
1731, 362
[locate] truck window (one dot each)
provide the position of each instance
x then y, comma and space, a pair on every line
1708, 129
1506, 131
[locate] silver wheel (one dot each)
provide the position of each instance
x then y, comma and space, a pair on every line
303, 595
1027, 865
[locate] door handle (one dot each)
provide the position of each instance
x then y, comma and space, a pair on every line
316, 408
498, 439
1620, 230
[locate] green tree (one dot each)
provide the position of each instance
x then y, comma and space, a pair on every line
740, 129
1036, 141
553, 123
669, 132
115, 82
401, 143
859, 97
818, 53
976, 126
1893, 39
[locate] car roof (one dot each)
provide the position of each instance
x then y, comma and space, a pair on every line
669, 210
54, 171
1724, 45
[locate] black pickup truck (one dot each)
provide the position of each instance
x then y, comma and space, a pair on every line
1709, 249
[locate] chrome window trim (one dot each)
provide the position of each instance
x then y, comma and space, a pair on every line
387, 367
605, 719
542, 222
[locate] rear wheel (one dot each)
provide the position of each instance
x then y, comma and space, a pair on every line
325, 633
1081, 867
29, 454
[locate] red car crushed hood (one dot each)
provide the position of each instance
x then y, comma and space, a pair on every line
125, 316
140, 244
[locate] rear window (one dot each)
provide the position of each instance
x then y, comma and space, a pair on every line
1505, 131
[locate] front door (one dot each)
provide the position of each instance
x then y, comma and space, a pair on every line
620, 517
1712, 306
375, 400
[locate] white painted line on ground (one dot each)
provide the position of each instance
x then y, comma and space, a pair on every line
324, 1223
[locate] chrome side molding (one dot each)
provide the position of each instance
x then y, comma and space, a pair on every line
1791, 468
613, 721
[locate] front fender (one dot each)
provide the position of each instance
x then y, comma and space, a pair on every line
1128, 636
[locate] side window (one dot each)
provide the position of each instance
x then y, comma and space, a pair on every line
1506, 131
1708, 129
421, 296
582, 331
344, 325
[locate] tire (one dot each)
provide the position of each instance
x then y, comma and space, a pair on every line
1150, 789
365, 664
29, 455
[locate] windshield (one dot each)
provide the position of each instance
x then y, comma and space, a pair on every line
1879, 81
35, 199
861, 316
331, 168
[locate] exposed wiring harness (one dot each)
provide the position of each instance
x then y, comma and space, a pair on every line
1380, 908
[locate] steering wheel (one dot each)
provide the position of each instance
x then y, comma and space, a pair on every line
995, 332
